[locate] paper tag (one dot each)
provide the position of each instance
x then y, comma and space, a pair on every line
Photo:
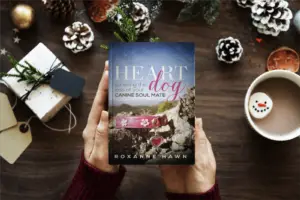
14, 141
7, 116
67, 83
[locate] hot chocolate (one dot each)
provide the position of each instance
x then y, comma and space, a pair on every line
285, 115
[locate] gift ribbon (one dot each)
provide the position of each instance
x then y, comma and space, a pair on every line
43, 79
72, 116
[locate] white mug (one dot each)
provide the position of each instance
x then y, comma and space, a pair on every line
271, 74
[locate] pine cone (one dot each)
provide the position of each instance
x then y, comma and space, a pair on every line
271, 16
60, 8
187, 104
229, 50
78, 37
245, 3
153, 6
140, 16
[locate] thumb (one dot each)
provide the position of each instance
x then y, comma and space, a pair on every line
101, 137
199, 132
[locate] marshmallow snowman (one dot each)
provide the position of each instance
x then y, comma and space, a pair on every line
260, 105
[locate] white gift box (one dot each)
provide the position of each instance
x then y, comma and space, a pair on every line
44, 101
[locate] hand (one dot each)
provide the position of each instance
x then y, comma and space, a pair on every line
198, 178
95, 134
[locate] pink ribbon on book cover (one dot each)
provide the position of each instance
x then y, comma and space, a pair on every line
148, 121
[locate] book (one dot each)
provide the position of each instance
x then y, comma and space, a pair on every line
151, 103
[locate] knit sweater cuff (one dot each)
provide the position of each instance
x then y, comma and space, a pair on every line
90, 183
212, 194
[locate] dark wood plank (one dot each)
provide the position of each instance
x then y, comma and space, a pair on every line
249, 166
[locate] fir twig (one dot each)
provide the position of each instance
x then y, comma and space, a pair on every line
126, 25
118, 36
155, 39
26, 72
104, 46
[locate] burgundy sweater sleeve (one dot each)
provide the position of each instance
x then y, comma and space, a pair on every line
212, 194
89, 183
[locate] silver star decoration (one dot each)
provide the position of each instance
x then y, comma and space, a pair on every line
15, 30
17, 40
3, 52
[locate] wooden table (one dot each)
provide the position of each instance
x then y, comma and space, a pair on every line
249, 166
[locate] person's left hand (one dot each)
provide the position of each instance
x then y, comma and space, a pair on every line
95, 134
193, 179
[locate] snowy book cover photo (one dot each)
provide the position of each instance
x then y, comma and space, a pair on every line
151, 103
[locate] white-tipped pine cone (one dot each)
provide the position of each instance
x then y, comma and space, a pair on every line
78, 37
245, 3
271, 16
141, 18
60, 8
187, 104
153, 6
229, 50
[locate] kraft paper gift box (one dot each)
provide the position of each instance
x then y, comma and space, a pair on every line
44, 101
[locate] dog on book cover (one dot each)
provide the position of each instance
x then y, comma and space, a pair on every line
151, 103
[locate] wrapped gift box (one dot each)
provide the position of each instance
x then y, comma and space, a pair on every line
44, 101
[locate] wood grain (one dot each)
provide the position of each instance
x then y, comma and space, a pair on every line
249, 166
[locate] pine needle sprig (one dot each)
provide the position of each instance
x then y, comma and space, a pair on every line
126, 26
154, 39
24, 72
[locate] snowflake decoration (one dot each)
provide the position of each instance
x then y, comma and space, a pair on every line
145, 122
124, 122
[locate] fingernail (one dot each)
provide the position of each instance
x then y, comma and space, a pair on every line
100, 126
199, 122
106, 65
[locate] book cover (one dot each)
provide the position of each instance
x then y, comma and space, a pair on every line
151, 103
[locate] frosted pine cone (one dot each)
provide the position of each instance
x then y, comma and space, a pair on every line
187, 104
141, 18
78, 37
245, 3
271, 16
229, 50
60, 8
153, 6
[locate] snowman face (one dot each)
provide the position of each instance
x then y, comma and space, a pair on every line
260, 105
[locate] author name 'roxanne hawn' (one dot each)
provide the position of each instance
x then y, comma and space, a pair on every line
151, 103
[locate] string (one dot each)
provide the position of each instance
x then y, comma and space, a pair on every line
16, 98
42, 80
70, 126
68, 107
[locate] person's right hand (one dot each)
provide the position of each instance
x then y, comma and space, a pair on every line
193, 179
95, 134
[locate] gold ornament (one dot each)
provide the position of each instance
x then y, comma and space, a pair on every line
22, 16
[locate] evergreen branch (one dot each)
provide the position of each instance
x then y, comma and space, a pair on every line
155, 39
29, 74
126, 25
119, 37
104, 46
2, 74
